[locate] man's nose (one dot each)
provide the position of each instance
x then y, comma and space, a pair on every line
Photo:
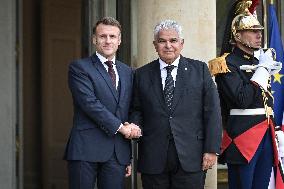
108, 39
168, 44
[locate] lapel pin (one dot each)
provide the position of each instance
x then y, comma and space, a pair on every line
185, 69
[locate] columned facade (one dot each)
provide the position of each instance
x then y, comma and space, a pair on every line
198, 19
33, 65
8, 87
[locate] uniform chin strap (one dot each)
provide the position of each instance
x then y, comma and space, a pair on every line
253, 48
247, 45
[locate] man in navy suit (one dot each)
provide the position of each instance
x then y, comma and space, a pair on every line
176, 105
98, 148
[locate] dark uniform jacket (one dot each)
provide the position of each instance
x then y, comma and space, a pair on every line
236, 91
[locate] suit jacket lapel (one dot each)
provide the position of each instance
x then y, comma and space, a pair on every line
155, 76
181, 80
101, 69
122, 80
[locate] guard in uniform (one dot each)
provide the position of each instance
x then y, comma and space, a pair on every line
242, 77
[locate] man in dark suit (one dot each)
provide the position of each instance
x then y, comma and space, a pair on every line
98, 149
176, 105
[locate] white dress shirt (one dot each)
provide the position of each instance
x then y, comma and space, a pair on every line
163, 69
103, 60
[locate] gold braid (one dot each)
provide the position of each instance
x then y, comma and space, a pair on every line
265, 98
268, 110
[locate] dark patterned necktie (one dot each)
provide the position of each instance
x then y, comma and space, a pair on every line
111, 72
169, 87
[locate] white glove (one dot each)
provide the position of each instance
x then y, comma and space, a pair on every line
277, 67
261, 77
266, 67
266, 61
270, 52
280, 137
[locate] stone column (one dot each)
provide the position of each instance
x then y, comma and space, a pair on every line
7, 94
198, 19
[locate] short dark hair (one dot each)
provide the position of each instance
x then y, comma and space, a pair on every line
107, 21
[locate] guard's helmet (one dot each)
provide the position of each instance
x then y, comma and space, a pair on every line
245, 21
239, 19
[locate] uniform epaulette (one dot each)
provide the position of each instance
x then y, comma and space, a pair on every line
218, 65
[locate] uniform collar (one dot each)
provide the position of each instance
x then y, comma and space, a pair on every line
243, 54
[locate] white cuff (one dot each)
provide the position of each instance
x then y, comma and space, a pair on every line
261, 77
121, 125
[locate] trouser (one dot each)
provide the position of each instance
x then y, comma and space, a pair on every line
174, 177
108, 175
256, 174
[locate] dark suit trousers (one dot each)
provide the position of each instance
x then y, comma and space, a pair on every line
108, 175
173, 177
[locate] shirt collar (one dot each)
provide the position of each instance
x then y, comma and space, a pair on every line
163, 64
103, 59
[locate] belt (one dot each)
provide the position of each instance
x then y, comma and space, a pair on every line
256, 111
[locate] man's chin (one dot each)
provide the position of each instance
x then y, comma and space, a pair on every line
256, 47
168, 60
108, 53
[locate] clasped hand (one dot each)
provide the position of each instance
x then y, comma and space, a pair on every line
209, 159
130, 130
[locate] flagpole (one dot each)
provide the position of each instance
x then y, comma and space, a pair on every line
265, 34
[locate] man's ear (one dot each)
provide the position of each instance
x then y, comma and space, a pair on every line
94, 40
119, 39
237, 37
155, 45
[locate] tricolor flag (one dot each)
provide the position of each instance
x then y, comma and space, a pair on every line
277, 85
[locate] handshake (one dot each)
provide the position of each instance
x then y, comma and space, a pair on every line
130, 130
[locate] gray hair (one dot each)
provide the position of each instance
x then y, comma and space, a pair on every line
167, 24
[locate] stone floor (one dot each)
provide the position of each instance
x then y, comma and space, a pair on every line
222, 177
222, 186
